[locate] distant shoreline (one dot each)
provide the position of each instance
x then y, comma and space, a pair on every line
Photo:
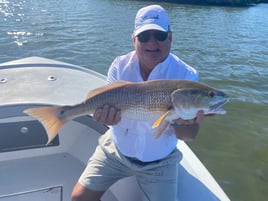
219, 2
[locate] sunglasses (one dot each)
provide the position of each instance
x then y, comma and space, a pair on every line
145, 36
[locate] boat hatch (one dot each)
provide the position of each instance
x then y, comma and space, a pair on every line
23, 135
51, 194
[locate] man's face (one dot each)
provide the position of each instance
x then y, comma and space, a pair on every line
152, 46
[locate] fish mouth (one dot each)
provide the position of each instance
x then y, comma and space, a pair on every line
217, 107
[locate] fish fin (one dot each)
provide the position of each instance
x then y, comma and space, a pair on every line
50, 119
160, 119
108, 87
160, 129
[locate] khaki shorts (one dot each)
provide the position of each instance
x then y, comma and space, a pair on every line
158, 180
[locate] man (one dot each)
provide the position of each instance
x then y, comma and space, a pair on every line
129, 147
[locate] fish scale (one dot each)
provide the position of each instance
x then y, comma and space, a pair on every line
135, 102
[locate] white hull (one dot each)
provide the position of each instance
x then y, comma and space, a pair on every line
30, 171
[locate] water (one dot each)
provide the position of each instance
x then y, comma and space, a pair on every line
228, 46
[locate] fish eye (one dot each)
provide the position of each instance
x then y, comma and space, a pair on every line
211, 94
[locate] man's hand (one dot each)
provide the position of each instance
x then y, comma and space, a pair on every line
187, 130
107, 115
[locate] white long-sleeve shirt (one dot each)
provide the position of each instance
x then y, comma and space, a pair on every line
136, 138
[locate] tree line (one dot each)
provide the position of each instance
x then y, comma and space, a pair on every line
220, 2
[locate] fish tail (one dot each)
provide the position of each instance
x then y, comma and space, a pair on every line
50, 119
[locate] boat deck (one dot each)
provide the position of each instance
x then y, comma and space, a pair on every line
52, 174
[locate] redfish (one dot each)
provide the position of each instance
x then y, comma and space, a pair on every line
158, 101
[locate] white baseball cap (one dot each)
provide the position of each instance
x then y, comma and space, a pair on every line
152, 17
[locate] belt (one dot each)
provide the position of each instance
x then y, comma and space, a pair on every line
139, 162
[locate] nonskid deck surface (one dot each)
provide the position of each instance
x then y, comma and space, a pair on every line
48, 174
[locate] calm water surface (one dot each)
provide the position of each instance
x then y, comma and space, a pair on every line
229, 47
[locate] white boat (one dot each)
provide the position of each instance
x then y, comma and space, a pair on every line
32, 171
